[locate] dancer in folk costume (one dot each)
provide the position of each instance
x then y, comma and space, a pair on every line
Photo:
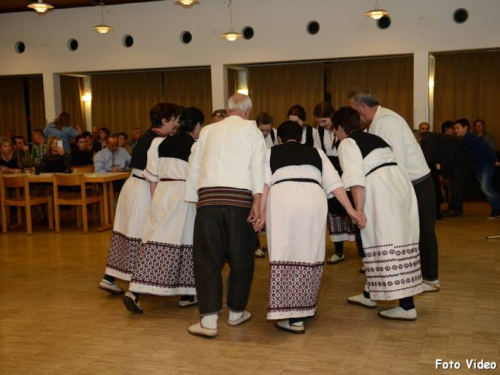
164, 265
295, 208
383, 192
340, 225
133, 204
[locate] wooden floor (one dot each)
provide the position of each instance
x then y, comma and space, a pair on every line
54, 319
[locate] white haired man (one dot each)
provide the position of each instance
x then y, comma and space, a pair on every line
226, 179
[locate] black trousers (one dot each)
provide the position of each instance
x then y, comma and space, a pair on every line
426, 198
222, 233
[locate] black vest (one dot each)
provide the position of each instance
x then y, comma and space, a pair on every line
368, 142
294, 153
273, 138
333, 159
309, 135
140, 154
177, 147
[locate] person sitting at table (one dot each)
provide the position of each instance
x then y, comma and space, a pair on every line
39, 146
112, 158
8, 159
22, 151
123, 142
83, 154
56, 160
103, 136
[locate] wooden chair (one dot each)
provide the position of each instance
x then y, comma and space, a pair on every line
91, 187
80, 199
83, 169
22, 200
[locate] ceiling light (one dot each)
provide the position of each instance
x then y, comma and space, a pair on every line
102, 28
377, 13
231, 35
186, 3
40, 6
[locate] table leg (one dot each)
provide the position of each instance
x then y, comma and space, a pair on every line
111, 202
105, 201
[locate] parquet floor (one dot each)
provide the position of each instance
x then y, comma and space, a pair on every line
54, 319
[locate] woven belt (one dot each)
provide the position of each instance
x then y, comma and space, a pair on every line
170, 179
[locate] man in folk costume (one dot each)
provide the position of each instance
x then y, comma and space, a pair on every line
294, 207
226, 178
164, 265
393, 129
340, 225
133, 204
382, 192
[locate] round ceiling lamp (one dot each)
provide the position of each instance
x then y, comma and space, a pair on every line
102, 28
231, 35
186, 3
377, 13
40, 7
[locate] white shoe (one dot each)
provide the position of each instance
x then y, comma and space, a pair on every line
132, 303
259, 253
398, 313
335, 259
110, 287
246, 316
198, 330
188, 302
361, 301
431, 286
284, 325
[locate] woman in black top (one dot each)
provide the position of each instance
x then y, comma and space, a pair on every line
83, 152
56, 160
8, 159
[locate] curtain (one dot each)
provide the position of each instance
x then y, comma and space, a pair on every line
71, 99
232, 82
122, 101
189, 88
389, 78
274, 89
37, 103
12, 106
468, 85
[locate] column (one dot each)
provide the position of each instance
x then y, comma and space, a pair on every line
52, 95
420, 88
219, 86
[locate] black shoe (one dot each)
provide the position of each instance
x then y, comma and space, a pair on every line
494, 214
451, 213
132, 303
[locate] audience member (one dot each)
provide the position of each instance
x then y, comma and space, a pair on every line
310, 135
424, 127
62, 129
103, 136
82, 155
112, 158
8, 159
135, 134
480, 132
447, 128
22, 151
484, 160
123, 142
218, 115
56, 159
39, 146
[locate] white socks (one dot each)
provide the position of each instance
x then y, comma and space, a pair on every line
235, 315
210, 321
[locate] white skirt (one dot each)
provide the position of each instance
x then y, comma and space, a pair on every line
391, 236
164, 265
130, 219
296, 225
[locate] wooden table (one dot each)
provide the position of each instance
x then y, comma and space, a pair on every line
104, 178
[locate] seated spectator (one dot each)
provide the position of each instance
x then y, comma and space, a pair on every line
82, 155
123, 142
219, 115
112, 158
424, 127
22, 151
92, 143
480, 132
447, 128
39, 146
56, 160
8, 159
135, 135
484, 160
62, 129
103, 136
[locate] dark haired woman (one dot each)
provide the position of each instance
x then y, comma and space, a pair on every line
164, 266
294, 203
309, 136
340, 225
82, 155
62, 129
382, 191
134, 201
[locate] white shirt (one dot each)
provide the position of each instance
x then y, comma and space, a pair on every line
229, 153
269, 140
395, 131
315, 135
329, 140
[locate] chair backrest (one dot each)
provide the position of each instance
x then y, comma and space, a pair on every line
83, 169
72, 179
15, 182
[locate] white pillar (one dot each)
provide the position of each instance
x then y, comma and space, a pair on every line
420, 88
87, 88
219, 86
52, 95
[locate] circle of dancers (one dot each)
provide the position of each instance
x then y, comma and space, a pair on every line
198, 196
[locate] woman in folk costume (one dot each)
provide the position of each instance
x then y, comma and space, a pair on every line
294, 204
382, 191
164, 265
133, 204
340, 225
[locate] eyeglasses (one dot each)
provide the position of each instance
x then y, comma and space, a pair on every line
220, 114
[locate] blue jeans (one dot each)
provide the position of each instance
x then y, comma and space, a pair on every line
485, 176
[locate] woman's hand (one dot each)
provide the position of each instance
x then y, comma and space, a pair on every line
61, 151
358, 217
261, 223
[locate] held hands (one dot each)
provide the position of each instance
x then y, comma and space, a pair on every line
260, 224
254, 217
358, 217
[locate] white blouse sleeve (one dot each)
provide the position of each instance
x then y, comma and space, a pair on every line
351, 162
267, 169
151, 171
330, 179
